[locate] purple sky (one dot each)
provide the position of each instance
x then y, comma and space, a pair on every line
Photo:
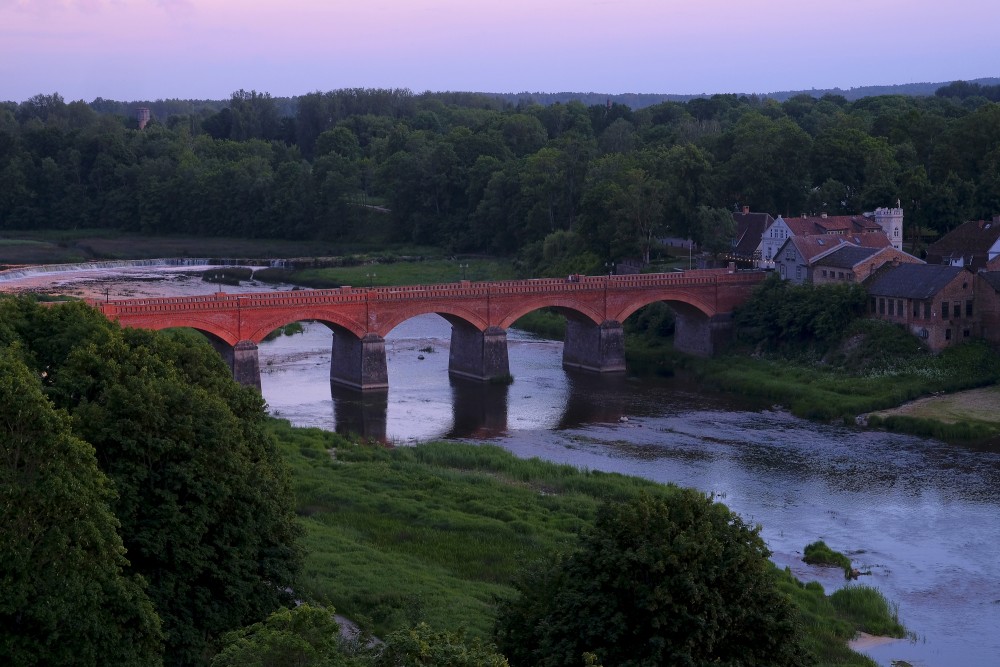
149, 49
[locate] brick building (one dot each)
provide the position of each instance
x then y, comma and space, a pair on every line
854, 264
935, 302
988, 304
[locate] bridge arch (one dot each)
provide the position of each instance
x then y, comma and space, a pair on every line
261, 327
211, 329
574, 309
455, 314
671, 298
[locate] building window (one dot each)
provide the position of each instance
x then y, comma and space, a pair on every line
927, 310
968, 308
916, 310
958, 310
965, 333
824, 273
798, 272
881, 306
900, 308
944, 310
947, 334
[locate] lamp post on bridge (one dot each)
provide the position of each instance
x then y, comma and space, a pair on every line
610, 266
371, 279
464, 269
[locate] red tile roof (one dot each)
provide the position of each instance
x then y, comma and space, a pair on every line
970, 241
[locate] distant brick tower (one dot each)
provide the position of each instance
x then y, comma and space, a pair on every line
142, 115
891, 222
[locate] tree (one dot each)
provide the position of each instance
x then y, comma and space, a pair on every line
66, 600
714, 229
203, 500
769, 163
305, 636
422, 645
659, 580
639, 207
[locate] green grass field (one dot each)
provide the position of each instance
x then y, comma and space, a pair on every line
423, 272
436, 532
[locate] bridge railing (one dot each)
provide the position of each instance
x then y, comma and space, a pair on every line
347, 294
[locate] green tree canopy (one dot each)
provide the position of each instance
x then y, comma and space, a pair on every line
660, 580
203, 497
66, 599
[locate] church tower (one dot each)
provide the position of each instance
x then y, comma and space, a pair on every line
891, 222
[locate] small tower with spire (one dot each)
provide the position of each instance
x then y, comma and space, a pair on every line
142, 115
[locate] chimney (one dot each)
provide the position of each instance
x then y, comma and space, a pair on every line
746, 209
982, 223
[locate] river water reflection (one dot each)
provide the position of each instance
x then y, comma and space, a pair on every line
923, 516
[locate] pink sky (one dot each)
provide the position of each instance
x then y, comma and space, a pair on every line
148, 49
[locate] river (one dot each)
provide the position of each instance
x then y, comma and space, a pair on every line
921, 515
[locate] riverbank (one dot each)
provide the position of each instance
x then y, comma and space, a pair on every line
437, 532
820, 391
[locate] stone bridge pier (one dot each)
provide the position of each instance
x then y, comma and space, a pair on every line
699, 335
598, 348
359, 363
242, 360
478, 355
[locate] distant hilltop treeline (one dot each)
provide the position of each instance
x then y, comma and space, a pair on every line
988, 88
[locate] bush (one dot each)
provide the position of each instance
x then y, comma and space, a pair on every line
659, 580
818, 553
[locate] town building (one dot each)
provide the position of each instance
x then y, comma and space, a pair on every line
988, 305
885, 222
935, 302
855, 264
972, 245
750, 229
796, 259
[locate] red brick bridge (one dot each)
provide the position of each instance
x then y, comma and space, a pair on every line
479, 312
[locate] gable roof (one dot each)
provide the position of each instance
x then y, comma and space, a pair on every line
913, 281
992, 278
749, 231
832, 225
844, 223
812, 248
798, 226
970, 241
847, 256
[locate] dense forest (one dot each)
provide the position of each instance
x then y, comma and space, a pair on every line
473, 173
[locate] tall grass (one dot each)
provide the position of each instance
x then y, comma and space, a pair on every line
868, 610
437, 532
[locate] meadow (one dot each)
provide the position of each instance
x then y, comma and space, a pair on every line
438, 532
